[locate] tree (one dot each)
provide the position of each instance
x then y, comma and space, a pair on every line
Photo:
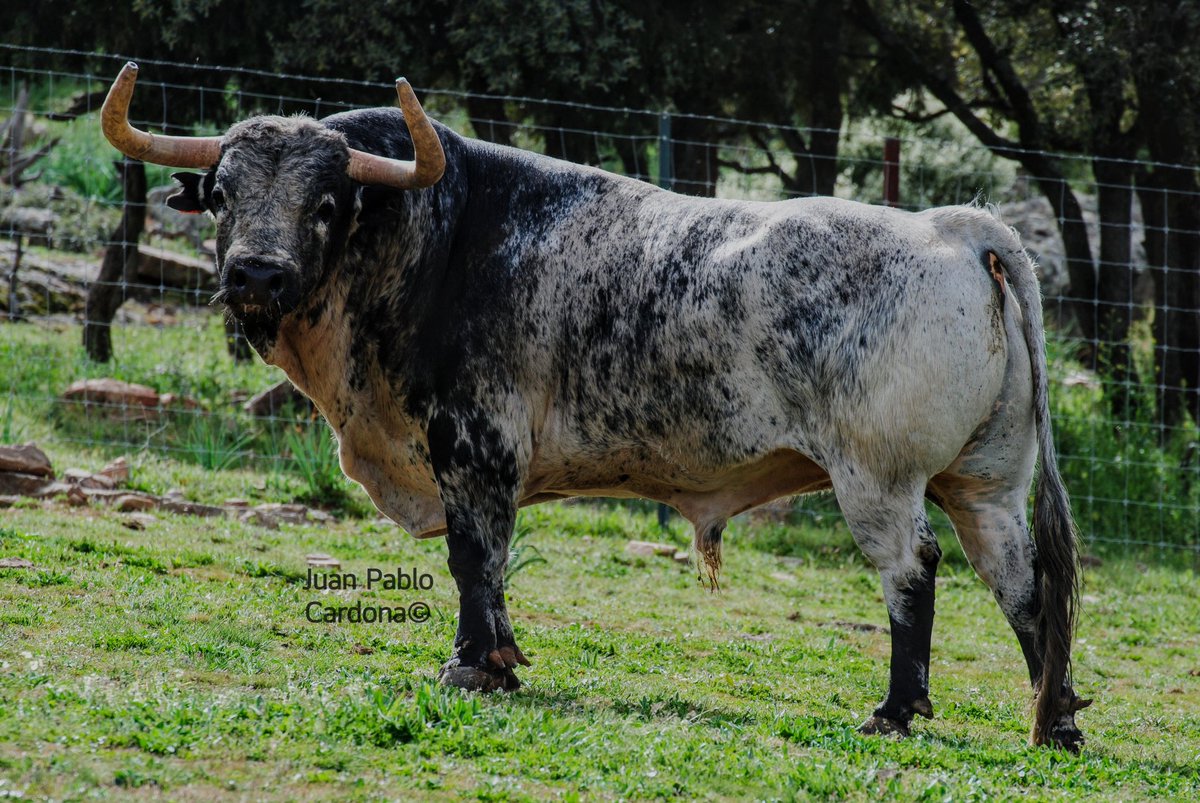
1072, 77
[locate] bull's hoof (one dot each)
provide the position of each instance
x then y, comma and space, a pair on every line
883, 726
1067, 737
1064, 734
471, 678
880, 724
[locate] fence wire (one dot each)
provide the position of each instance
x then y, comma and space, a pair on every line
1125, 424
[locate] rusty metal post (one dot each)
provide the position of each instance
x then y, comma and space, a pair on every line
891, 171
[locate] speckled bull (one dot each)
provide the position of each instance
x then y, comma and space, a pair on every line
486, 328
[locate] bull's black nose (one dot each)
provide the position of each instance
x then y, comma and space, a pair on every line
252, 282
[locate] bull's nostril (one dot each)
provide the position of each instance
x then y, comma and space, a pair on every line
275, 284
239, 278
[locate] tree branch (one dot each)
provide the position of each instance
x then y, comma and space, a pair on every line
999, 65
939, 86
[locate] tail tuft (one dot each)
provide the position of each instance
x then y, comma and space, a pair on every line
708, 547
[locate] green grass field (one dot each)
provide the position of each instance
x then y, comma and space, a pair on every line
177, 661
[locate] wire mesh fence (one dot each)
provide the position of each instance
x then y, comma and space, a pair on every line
1124, 349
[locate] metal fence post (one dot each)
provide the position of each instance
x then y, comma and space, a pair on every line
666, 167
666, 180
891, 171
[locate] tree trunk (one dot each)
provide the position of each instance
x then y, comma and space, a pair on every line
1114, 277
119, 267
1081, 269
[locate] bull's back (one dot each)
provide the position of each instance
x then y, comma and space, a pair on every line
721, 331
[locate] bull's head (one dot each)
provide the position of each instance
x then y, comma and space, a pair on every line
282, 191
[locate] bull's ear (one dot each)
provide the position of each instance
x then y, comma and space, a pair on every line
188, 199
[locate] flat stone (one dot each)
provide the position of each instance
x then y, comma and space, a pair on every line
129, 503
277, 398
117, 471
15, 563
175, 505
26, 459
138, 521
272, 514
323, 561
87, 480
648, 549
111, 393
13, 483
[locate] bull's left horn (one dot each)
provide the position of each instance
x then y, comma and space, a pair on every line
429, 160
153, 148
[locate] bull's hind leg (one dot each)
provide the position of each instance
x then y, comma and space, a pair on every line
478, 481
991, 525
888, 523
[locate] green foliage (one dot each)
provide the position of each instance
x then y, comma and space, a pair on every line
314, 457
1132, 482
520, 554
940, 164
214, 442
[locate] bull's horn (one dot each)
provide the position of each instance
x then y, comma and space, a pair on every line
429, 160
153, 148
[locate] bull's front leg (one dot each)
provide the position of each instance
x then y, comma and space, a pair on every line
478, 478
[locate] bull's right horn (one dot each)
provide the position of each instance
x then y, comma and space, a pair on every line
154, 148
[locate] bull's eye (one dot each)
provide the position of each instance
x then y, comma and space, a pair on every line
326, 211
218, 200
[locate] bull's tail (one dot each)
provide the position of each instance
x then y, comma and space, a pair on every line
1053, 526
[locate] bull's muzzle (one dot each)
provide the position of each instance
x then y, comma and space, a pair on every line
254, 285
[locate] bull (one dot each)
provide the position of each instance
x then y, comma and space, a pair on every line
486, 328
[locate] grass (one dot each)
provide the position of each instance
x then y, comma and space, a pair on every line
214, 452
177, 661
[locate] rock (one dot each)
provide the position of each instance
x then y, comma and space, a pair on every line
113, 397
648, 549
27, 459
176, 505
161, 268
276, 399
128, 503
143, 520
322, 561
85, 480
36, 223
1090, 561
14, 483
682, 557
76, 497
15, 563
272, 514
175, 400
117, 471
319, 516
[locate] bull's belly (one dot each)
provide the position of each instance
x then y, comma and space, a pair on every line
698, 496
713, 495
